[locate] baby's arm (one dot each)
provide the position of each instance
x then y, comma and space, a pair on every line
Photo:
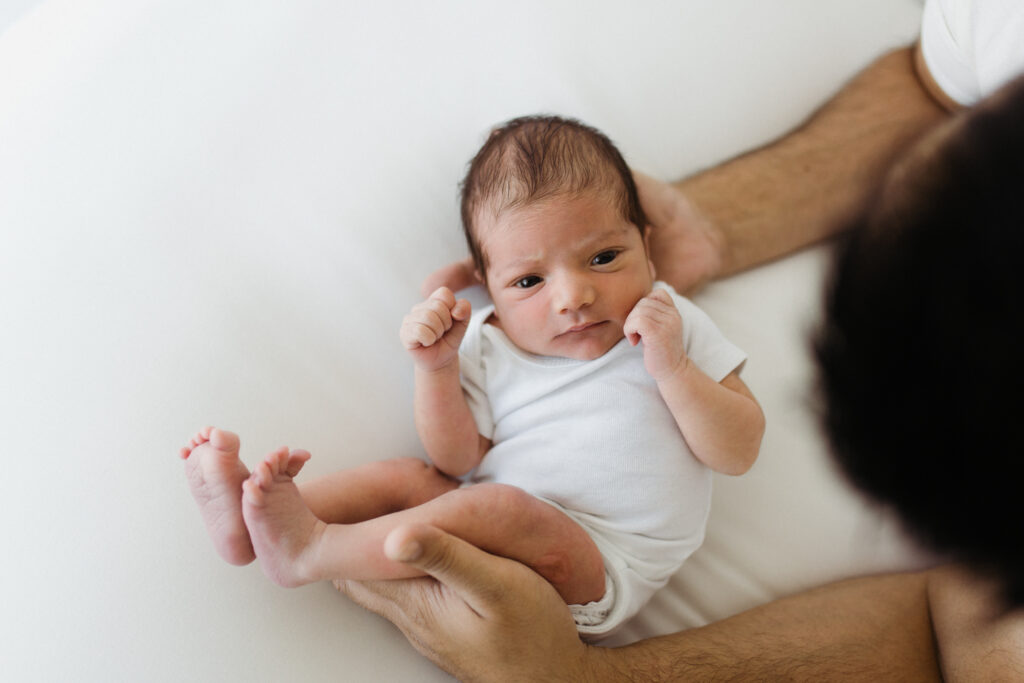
721, 421
432, 332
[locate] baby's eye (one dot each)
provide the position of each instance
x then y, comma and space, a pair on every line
604, 258
526, 282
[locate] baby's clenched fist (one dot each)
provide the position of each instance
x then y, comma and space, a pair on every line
656, 322
433, 329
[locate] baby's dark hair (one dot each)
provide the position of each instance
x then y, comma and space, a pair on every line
918, 351
533, 158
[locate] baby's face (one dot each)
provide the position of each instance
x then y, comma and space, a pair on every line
563, 274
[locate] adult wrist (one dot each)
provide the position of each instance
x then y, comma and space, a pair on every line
597, 664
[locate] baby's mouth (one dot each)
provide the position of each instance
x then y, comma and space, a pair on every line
582, 327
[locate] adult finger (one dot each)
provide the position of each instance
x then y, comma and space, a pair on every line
474, 575
390, 599
417, 608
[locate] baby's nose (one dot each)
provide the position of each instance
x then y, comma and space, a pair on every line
574, 293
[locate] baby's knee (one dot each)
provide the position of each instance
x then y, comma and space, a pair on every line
579, 579
421, 480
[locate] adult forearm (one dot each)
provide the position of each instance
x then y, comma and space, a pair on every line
874, 628
978, 639
796, 191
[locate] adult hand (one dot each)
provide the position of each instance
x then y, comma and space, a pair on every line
481, 617
685, 247
455, 276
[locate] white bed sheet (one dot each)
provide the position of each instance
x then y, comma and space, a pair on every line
217, 212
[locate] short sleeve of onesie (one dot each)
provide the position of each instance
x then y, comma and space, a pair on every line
704, 343
474, 375
972, 47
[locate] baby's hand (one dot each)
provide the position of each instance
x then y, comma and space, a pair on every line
655, 320
433, 330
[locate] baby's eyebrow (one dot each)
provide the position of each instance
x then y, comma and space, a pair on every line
604, 236
525, 263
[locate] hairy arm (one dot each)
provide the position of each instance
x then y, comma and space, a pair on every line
794, 191
977, 639
873, 628
486, 618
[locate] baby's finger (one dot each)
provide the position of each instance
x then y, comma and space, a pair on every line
461, 310
444, 295
424, 334
438, 314
633, 327
661, 295
409, 334
420, 328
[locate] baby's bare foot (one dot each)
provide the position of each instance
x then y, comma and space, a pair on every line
284, 531
215, 475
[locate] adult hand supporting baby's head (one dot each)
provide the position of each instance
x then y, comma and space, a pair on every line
478, 616
686, 248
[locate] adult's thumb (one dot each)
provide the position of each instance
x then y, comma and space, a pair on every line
476, 576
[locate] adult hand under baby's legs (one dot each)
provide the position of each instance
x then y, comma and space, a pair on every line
480, 617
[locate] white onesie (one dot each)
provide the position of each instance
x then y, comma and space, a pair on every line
972, 47
596, 440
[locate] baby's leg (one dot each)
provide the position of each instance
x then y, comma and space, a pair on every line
374, 490
215, 476
295, 547
507, 521
287, 524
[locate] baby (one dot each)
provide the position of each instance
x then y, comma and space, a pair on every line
572, 425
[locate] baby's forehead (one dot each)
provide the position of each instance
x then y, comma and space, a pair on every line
501, 213
550, 212
559, 224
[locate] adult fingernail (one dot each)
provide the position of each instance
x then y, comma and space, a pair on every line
409, 552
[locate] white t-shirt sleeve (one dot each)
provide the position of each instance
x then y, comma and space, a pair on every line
474, 377
704, 342
972, 47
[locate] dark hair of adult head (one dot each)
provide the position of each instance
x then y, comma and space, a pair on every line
919, 351
533, 158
